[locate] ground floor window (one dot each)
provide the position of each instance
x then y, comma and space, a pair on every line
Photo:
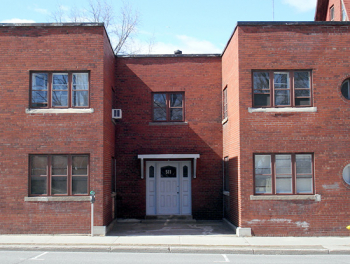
283, 173
58, 174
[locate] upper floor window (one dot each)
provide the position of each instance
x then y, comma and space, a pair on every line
168, 107
224, 103
281, 88
58, 174
283, 173
331, 13
344, 16
345, 89
59, 89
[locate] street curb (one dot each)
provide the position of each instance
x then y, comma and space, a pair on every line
246, 250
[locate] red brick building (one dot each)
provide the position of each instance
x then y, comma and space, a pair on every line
257, 135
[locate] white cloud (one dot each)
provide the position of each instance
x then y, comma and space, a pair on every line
301, 5
17, 20
42, 11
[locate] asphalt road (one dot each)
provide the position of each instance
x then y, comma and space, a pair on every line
33, 257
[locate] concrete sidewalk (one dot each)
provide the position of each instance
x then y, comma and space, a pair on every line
228, 244
175, 237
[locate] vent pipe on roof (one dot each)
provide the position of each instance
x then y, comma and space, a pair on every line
177, 52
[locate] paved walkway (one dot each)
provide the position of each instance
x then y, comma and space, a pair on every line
205, 237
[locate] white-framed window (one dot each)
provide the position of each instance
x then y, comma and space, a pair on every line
346, 174
282, 88
283, 173
59, 90
331, 13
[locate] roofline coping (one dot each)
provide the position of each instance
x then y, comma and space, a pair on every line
284, 23
168, 55
83, 24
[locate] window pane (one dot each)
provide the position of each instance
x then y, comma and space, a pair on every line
302, 101
282, 97
185, 172
59, 164
168, 172
159, 114
59, 185
303, 163
263, 184
261, 99
262, 164
159, 100
345, 89
151, 172
80, 98
39, 81
38, 165
79, 165
261, 80
281, 80
304, 185
346, 174
38, 185
176, 114
79, 185
39, 98
302, 93
59, 98
302, 79
283, 164
60, 81
176, 100
80, 81
284, 185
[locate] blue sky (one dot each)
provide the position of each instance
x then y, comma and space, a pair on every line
193, 26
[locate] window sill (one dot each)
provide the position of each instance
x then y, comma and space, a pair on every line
224, 121
60, 111
313, 197
58, 199
283, 110
168, 123
226, 193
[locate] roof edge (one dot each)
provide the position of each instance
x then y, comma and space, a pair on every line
169, 55
84, 24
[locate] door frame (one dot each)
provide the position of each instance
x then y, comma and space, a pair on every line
184, 186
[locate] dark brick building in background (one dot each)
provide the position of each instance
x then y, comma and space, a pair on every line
257, 135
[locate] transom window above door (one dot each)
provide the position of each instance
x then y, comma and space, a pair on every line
168, 107
59, 90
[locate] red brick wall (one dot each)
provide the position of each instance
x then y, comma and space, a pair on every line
200, 79
46, 48
337, 10
231, 129
108, 129
324, 133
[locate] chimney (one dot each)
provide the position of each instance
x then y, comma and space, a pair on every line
177, 52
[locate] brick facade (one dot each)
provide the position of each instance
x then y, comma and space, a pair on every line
129, 83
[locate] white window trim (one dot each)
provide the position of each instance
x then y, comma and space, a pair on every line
313, 197
283, 110
169, 156
59, 111
57, 199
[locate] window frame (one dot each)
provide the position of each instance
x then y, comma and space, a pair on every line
293, 172
226, 179
168, 106
224, 104
331, 13
49, 175
50, 89
272, 89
